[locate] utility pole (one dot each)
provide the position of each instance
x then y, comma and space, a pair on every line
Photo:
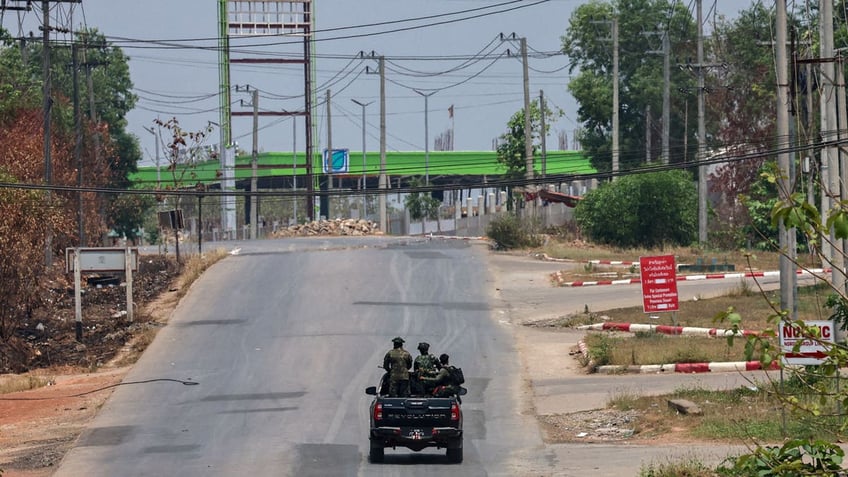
666, 107
666, 157
47, 106
426, 135
648, 134
702, 133
543, 134
325, 198
528, 134
254, 216
382, 181
364, 164
294, 169
615, 105
92, 111
832, 249
787, 256
78, 141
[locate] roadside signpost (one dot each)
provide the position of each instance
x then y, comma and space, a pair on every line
809, 351
99, 259
659, 283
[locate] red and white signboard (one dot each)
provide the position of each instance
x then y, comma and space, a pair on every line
811, 352
659, 283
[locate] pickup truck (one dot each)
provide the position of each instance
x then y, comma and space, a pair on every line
415, 422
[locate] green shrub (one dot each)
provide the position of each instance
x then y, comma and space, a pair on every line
641, 210
795, 457
510, 232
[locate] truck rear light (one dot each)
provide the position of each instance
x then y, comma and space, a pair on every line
454, 412
378, 411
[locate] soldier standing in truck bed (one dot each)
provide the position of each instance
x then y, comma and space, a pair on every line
425, 365
397, 363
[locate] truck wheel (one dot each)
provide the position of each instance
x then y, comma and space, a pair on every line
454, 454
377, 453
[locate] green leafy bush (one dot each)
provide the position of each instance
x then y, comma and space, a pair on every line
795, 457
641, 210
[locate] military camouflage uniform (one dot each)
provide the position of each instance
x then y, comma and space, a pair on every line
397, 363
425, 366
442, 383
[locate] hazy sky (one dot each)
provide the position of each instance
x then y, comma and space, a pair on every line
183, 82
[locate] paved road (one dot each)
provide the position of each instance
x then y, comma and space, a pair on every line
283, 338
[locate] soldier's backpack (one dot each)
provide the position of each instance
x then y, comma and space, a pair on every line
456, 375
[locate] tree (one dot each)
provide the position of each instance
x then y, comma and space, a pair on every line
24, 218
184, 151
742, 102
21, 157
511, 149
112, 94
421, 205
641, 210
128, 212
17, 89
109, 153
587, 42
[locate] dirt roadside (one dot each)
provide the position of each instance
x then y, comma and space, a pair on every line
37, 427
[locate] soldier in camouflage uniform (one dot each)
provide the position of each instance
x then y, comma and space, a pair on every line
443, 384
426, 365
397, 363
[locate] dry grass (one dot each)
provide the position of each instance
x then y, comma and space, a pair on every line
12, 383
755, 308
753, 412
741, 260
139, 343
685, 466
195, 265
652, 348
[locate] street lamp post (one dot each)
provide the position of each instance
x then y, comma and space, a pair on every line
155, 140
426, 136
364, 177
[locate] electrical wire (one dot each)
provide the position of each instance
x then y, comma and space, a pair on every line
471, 61
125, 383
171, 44
443, 88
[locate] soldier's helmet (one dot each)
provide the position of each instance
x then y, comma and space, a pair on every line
398, 340
423, 347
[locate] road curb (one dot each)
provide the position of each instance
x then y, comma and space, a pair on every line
688, 368
666, 329
558, 280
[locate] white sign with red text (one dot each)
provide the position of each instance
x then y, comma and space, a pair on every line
812, 351
659, 283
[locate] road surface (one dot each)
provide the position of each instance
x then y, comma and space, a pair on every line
282, 340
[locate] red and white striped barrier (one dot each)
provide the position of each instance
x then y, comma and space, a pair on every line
717, 367
612, 262
665, 329
557, 277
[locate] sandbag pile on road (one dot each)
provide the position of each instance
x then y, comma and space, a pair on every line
330, 227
